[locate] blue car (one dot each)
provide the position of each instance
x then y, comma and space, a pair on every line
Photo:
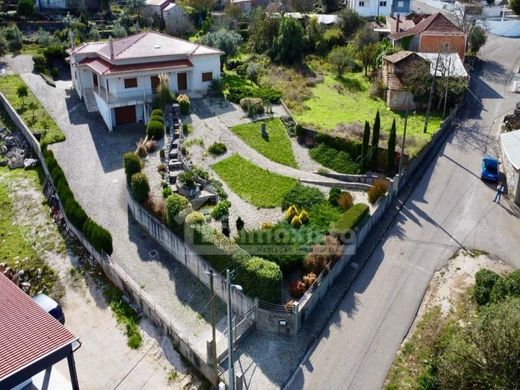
489, 168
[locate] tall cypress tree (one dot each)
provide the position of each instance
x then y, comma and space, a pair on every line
364, 149
375, 140
390, 160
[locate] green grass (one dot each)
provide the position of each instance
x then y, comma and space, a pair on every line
277, 148
346, 101
125, 316
41, 120
253, 184
335, 159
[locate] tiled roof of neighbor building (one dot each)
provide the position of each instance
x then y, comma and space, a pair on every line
27, 332
103, 67
434, 23
511, 145
145, 44
398, 57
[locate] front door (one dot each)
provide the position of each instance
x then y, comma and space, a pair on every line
155, 83
182, 82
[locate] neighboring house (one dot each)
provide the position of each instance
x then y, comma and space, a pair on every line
154, 8
395, 66
31, 341
380, 7
510, 148
432, 34
119, 78
60, 5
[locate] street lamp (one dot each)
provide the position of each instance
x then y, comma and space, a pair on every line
231, 362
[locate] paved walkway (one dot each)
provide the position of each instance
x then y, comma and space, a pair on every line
91, 158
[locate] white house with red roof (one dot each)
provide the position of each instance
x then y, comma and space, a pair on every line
119, 78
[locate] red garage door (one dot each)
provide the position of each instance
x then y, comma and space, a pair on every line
125, 115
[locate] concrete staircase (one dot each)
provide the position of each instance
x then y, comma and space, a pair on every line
90, 100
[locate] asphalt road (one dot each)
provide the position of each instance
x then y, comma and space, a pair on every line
449, 208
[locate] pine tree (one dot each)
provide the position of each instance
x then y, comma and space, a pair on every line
390, 162
365, 146
375, 140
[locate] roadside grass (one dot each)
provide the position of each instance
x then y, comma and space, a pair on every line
16, 248
125, 315
276, 148
253, 184
37, 120
348, 100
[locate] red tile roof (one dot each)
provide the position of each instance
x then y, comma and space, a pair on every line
105, 68
27, 332
434, 23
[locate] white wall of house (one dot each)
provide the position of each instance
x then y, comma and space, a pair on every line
51, 4
105, 111
371, 7
204, 64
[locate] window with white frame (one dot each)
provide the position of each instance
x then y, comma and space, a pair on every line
361, 4
382, 3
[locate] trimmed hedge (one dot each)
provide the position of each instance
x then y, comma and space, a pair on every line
217, 148
303, 197
99, 237
335, 159
140, 187
155, 130
132, 164
261, 278
353, 148
157, 112
174, 205
351, 218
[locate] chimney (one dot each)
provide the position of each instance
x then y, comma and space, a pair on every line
111, 47
397, 22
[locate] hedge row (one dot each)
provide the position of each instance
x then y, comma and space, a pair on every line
351, 218
99, 237
353, 148
259, 277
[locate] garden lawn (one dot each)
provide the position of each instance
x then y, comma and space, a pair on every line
39, 119
276, 148
346, 101
253, 184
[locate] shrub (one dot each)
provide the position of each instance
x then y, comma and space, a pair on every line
322, 256
99, 237
188, 179
270, 94
296, 222
166, 192
377, 190
350, 218
155, 130
239, 224
334, 194
140, 187
162, 154
157, 118
253, 106
345, 200
302, 196
485, 280
221, 209
195, 218
161, 168
157, 206
261, 278
290, 213
217, 148
184, 104
351, 147
132, 164
506, 287
40, 63
297, 288
185, 129
338, 160
304, 217
174, 204
309, 279
157, 112
74, 212
141, 151
55, 72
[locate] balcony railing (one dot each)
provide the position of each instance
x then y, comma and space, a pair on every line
138, 95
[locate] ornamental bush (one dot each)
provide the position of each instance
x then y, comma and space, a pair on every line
157, 118
217, 148
302, 196
132, 164
157, 112
174, 205
296, 222
195, 218
261, 278
377, 190
304, 217
140, 187
345, 200
350, 218
155, 130
221, 209
253, 106
290, 213
485, 280
184, 104
334, 194
99, 237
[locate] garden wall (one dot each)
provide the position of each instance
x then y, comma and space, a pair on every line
116, 274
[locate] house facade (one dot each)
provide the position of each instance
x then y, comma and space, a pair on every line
432, 34
368, 8
119, 78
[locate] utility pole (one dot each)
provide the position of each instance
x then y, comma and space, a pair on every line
431, 94
213, 328
446, 91
401, 158
231, 362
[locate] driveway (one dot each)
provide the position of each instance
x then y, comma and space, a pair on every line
91, 158
449, 207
